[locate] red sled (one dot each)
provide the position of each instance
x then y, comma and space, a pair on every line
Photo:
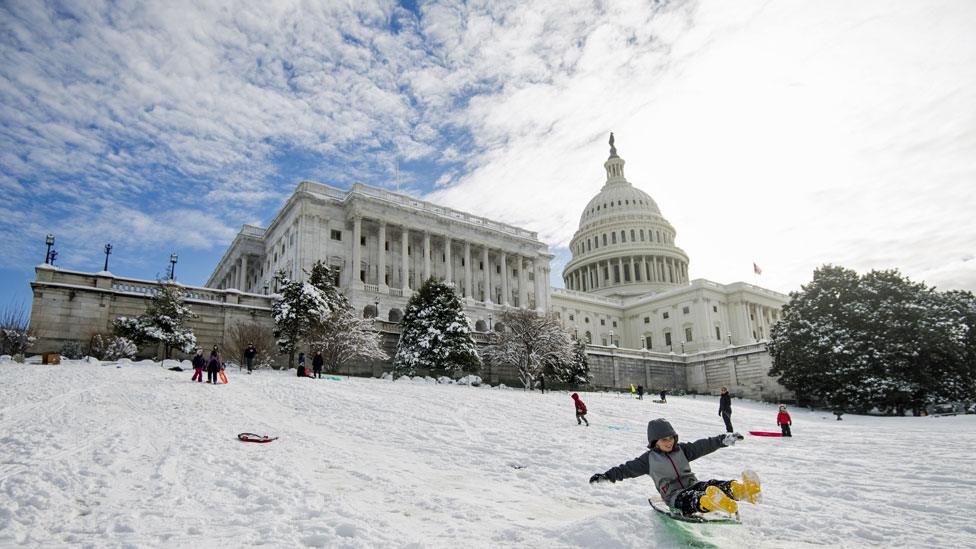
765, 434
251, 437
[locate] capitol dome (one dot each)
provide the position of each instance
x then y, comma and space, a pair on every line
624, 247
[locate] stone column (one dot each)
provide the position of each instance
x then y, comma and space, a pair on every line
504, 269
487, 271
405, 259
620, 267
539, 300
448, 270
381, 277
467, 269
523, 291
243, 284
633, 273
357, 234
426, 256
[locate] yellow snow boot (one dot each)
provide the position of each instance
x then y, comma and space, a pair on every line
715, 500
749, 489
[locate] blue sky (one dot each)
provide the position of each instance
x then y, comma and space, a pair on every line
786, 134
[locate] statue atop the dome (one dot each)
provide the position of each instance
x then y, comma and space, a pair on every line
613, 150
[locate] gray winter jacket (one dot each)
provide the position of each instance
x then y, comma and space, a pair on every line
671, 472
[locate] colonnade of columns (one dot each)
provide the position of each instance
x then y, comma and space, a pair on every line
486, 283
648, 269
237, 275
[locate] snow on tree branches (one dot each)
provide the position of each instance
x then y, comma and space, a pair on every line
299, 308
435, 334
533, 343
163, 322
879, 340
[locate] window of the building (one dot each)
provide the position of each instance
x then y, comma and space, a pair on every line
604, 239
443, 258
623, 236
481, 265
603, 322
362, 241
498, 269
666, 315
613, 238
647, 342
647, 320
572, 317
687, 334
362, 276
642, 235
714, 308
586, 319
686, 310
276, 257
409, 249
386, 245
614, 323
291, 239
718, 333
632, 235
667, 338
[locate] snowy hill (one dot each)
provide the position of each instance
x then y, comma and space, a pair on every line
139, 455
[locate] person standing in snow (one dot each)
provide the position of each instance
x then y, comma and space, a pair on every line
542, 383
725, 409
214, 364
667, 463
580, 410
198, 363
640, 392
664, 396
249, 355
784, 421
317, 362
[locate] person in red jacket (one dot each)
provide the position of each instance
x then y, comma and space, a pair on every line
580, 410
784, 421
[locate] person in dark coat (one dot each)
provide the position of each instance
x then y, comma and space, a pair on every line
725, 409
668, 464
198, 363
664, 395
640, 392
542, 383
580, 410
317, 362
249, 355
301, 366
213, 365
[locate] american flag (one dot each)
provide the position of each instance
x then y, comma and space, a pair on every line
756, 269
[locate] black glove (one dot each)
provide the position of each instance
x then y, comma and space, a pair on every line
599, 477
729, 438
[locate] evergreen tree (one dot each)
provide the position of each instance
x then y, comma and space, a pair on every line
163, 322
578, 372
298, 309
435, 334
533, 343
880, 340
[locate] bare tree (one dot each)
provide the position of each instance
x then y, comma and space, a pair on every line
15, 331
530, 342
343, 336
242, 334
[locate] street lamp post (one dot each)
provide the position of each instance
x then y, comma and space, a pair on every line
489, 323
49, 240
377, 304
611, 338
172, 265
265, 287
108, 250
730, 338
682, 347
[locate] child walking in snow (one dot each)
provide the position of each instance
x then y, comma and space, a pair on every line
784, 421
198, 363
667, 462
580, 410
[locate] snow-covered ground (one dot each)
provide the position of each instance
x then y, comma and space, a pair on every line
140, 456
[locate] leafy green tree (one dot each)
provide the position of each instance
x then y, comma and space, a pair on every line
877, 341
435, 334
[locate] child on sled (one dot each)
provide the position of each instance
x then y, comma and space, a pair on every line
667, 462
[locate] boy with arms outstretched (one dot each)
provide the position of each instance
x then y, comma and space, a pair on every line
667, 462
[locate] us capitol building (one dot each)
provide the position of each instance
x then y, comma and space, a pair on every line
627, 290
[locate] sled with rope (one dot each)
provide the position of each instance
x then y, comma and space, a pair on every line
251, 437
